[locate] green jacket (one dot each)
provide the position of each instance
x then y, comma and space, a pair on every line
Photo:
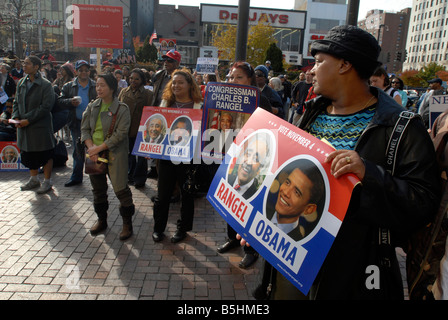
34, 105
117, 144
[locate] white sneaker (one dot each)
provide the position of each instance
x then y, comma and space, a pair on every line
45, 187
30, 185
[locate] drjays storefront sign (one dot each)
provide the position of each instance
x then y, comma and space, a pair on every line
276, 18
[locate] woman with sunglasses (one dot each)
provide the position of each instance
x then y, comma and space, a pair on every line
95, 124
181, 91
398, 85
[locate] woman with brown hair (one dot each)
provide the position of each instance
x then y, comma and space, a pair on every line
181, 92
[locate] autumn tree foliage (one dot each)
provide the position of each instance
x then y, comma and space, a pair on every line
259, 38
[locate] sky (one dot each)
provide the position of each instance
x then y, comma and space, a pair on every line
364, 5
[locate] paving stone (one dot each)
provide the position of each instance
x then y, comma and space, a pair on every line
47, 252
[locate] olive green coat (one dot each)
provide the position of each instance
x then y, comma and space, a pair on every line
117, 144
35, 106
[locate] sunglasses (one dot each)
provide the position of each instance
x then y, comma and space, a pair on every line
395, 82
169, 60
259, 75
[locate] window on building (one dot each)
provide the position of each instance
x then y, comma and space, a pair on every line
322, 26
331, 1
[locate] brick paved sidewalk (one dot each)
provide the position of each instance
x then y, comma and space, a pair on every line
47, 252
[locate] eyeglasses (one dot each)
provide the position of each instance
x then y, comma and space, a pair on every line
259, 75
395, 82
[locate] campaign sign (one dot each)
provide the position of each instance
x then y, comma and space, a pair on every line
168, 133
10, 157
226, 107
99, 27
437, 105
206, 65
277, 192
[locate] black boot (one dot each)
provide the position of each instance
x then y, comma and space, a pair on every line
101, 223
127, 213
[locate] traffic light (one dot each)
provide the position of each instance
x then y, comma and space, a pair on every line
399, 56
405, 55
388, 57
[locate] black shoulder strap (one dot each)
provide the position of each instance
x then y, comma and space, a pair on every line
391, 155
395, 138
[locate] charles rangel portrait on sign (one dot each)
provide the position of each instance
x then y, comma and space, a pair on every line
9, 154
155, 129
296, 198
283, 201
251, 165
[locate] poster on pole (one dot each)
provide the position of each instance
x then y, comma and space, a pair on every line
437, 105
206, 65
99, 27
275, 189
10, 157
168, 133
227, 107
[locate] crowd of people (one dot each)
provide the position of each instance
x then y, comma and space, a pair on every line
345, 98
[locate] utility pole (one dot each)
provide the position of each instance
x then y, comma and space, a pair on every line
242, 30
352, 12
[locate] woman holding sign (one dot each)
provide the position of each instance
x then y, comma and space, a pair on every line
181, 92
97, 120
242, 72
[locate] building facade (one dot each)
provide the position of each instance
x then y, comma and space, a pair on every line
391, 31
288, 25
44, 24
427, 40
322, 15
179, 25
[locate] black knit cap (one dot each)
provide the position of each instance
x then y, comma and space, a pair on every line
352, 44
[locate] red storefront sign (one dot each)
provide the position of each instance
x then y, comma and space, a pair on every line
256, 16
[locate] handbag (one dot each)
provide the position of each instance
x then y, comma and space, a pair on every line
101, 165
95, 167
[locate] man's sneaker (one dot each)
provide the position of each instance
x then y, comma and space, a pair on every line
30, 185
45, 187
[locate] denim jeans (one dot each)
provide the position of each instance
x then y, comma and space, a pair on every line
78, 159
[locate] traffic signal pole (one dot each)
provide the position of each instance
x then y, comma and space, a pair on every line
352, 12
242, 30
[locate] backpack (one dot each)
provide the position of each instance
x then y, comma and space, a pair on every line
427, 246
